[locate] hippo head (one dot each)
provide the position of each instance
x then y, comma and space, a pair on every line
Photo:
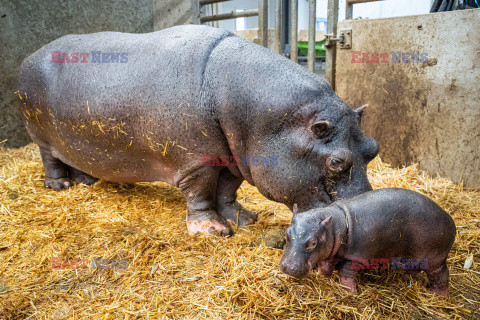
309, 240
322, 155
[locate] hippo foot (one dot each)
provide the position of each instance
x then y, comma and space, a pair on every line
85, 179
81, 177
349, 284
57, 184
440, 292
438, 280
207, 222
234, 213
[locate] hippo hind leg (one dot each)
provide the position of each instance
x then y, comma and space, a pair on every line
81, 177
348, 277
56, 172
227, 204
438, 279
200, 190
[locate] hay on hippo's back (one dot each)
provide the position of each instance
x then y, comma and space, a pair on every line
170, 274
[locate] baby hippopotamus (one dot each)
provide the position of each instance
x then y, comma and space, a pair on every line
377, 228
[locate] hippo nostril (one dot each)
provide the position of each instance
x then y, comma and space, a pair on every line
335, 162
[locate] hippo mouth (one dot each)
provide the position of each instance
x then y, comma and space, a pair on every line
329, 191
314, 266
311, 267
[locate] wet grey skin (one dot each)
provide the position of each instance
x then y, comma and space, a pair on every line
379, 224
184, 92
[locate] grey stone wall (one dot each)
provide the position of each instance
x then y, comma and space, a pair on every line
27, 25
169, 13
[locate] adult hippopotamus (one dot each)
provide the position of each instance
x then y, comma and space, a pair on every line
396, 227
149, 107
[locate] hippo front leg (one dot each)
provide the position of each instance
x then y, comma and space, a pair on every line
56, 172
227, 204
348, 277
325, 268
200, 191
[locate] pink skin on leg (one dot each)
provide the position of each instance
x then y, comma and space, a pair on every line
438, 280
325, 268
350, 285
57, 184
440, 292
206, 227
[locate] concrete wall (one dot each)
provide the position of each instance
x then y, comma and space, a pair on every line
168, 13
419, 112
28, 25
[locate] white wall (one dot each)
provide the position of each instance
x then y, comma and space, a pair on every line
250, 22
387, 8
372, 10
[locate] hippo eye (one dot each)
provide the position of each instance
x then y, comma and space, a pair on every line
311, 244
321, 128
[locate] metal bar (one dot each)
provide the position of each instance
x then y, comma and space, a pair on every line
196, 12
331, 54
216, 10
294, 30
206, 2
278, 26
361, 1
312, 10
349, 6
231, 15
348, 10
263, 22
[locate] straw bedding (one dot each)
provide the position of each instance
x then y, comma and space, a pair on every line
171, 275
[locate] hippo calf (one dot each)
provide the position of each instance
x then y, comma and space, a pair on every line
396, 225
152, 107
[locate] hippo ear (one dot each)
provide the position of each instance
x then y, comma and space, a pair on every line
295, 209
320, 128
327, 222
359, 111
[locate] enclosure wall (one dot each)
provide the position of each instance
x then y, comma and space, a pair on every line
419, 112
28, 25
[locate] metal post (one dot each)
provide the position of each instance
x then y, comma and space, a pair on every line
278, 26
361, 1
196, 12
205, 2
348, 10
332, 20
312, 10
294, 30
263, 22
231, 15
